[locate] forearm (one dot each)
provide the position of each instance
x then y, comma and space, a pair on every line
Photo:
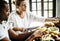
12, 33
31, 38
36, 18
25, 34
36, 34
18, 29
16, 35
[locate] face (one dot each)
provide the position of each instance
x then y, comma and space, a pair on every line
6, 10
22, 7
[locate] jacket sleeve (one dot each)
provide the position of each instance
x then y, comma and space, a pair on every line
35, 17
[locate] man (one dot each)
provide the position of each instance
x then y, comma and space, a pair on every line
3, 17
20, 20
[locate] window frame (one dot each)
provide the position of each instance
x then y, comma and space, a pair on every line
42, 7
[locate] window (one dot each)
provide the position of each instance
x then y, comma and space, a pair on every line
13, 5
45, 8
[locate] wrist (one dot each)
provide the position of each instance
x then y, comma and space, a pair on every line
31, 38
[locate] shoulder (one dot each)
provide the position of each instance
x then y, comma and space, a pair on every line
28, 13
12, 14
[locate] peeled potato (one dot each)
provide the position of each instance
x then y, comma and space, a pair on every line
46, 37
49, 24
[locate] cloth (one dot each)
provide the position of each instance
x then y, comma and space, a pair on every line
3, 31
16, 21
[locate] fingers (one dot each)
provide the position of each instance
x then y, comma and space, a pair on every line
37, 33
23, 29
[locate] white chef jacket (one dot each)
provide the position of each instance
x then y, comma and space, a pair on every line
16, 21
3, 30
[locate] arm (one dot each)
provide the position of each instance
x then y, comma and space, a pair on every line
31, 38
20, 35
36, 34
19, 29
35, 17
12, 33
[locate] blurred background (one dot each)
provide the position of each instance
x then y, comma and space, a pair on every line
41, 8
